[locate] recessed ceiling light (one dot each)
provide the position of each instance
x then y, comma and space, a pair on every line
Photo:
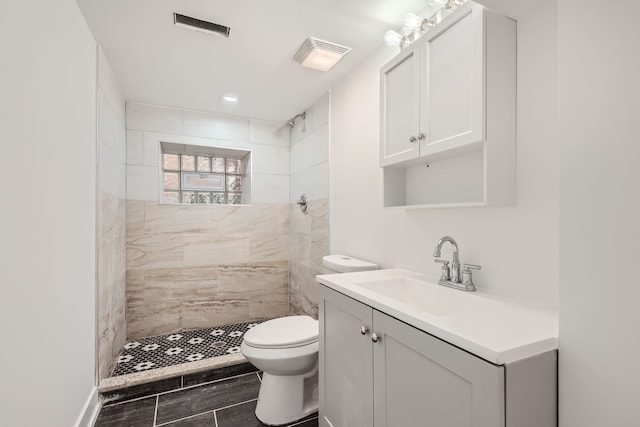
230, 99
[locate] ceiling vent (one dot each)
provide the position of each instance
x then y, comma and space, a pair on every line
200, 25
320, 54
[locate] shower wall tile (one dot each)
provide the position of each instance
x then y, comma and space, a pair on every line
135, 218
111, 280
111, 218
265, 159
135, 287
214, 249
154, 119
270, 188
151, 154
204, 314
179, 219
150, 319
240, 279
142, 182
263, 305
135, 147
154, 251
301, 182
205, 265
269, 133
309, 243
284, 158
320, 181
215, 126
268, 247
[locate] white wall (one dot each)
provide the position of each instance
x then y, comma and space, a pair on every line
48, 227
516, 246
599, 213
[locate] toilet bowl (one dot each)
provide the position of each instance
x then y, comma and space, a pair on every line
286, 350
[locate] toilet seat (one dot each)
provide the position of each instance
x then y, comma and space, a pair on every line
284, 332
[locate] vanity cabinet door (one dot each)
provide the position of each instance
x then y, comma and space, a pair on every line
346, 365
420, 380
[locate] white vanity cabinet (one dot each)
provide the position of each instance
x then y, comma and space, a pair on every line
404, 377
448, 101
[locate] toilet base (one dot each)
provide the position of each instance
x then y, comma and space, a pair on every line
287, 398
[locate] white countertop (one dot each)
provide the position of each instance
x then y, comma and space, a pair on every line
497, 328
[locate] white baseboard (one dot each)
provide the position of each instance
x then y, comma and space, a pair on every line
90, 410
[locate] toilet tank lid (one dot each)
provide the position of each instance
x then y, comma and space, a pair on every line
346, 264
283, 332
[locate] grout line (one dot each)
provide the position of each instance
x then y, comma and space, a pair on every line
236, 404
155, 413
207, 383
130, 400
302, 422
259, 379
215, 418
186, 418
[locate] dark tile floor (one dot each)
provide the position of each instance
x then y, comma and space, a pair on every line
219, 398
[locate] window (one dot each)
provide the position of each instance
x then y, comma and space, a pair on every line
204, 175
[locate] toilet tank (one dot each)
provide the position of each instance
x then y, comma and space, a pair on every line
345, 264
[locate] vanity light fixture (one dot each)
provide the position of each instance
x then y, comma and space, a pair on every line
413, 26
319, 54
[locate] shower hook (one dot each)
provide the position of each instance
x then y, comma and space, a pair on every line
302, 202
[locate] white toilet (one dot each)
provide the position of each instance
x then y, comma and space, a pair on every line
286, 350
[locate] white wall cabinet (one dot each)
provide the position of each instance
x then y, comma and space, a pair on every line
405, 377
448, 101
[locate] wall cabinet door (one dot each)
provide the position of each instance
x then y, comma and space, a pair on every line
420, 380
452, 93
346, 364
399, 108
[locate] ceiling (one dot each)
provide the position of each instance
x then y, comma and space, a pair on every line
159, 63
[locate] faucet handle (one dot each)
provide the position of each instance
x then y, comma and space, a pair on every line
445, 273
467, 281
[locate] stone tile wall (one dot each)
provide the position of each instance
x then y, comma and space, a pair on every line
310, 230
192, 267
309, 243
111, 218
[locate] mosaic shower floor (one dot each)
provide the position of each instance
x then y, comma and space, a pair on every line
161, 351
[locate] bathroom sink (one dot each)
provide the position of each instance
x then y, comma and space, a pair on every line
421, 294
499, 328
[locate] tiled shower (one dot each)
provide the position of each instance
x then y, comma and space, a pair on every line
193, 267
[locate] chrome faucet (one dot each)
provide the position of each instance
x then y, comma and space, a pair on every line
451, 277
455, 264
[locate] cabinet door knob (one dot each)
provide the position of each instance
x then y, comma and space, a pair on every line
374, 337
412, 139
364, 330
422, 136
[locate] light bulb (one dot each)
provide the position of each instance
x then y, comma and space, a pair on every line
411, 22
392, 38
